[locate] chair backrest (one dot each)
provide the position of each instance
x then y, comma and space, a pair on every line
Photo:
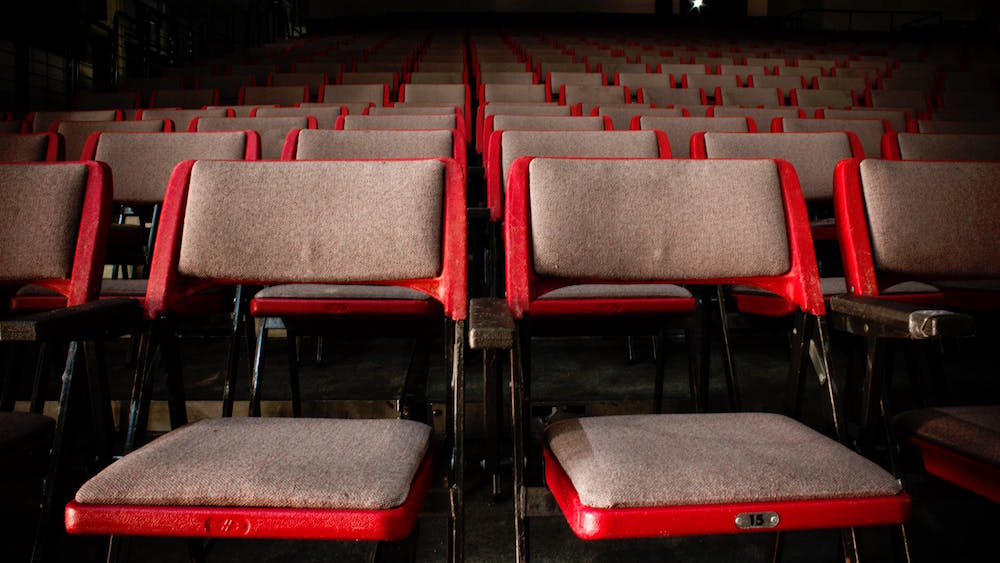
30, 147
677, 71
897, 118
507, 77
54, 226
142, 162
915, 101
804, 71
785, 82
75, 133
271, 130
940, 146
709, 82
388, 79
824, 98
398, 122
635, 80
273, 95
438, 95
517, 93
758, 115
753, 97
957, 126
41, 121
680, 130
589, 96
506, 146
185, 99
435, 77
320, 144
314, 80
814, 155
396, 223
181, 118
666, 97
644, 221
546, 123
554, 81
858, 84
377, 94
868, 131
916, 221
326, 116
621, 114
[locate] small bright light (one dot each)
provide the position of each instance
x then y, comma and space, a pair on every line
696, 4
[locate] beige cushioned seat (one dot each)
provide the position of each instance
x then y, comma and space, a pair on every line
683, 459
269, 463
971, 430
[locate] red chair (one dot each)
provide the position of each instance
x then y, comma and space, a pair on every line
352, 479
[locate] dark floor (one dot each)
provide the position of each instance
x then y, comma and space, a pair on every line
575, 376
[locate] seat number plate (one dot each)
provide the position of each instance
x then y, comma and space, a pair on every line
755, 520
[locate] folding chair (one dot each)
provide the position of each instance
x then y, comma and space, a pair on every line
440, 94
412, 121
514, 93
317, 144
554, 81
435, 77
680, 474
825, 98
677, 71
940, 146
709, 82
588, 97
352, 480
898, 223
814, 156
31, 147
543, 123
917, 102
758, 115
54, 231
389, 79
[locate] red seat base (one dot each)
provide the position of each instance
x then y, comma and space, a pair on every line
972, 474
616, 523
247, 522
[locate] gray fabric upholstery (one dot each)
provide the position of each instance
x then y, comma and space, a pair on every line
400, 121
948, 146
680, 129
695, 459
895, 117
506, 77
761, 116
662, 97
269, 463
141, 164
314, 221
75, 133
824, 98
711, 81
933, 217
786, 83
591, 96
972, 431
914, 100
529, 93
272, 130
373, 93
741, 70
948, 126
41, 208
186, 99
559, 79
621, 114
645, 219
239, 111
326, 116
617, 291
327, 291
438, 94
23, 148
375, 77
808, 72
324, 144
182, 117
403, 109
814, 155
272, 95
510, 108
436, 77
44, 119
679, 69
636, 80
841, 83
227, 85
636, 144
547, 123
869, 131
750, 97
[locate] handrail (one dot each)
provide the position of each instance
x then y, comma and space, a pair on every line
799, 15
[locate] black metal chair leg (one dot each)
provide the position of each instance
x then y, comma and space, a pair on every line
659, 353
39, 388
175, 382
519, 402
293, 373
255, 371
142, 388
456, 482
732, 381
492, 420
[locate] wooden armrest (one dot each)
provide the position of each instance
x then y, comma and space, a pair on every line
89, 321
491, 326
891, 319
